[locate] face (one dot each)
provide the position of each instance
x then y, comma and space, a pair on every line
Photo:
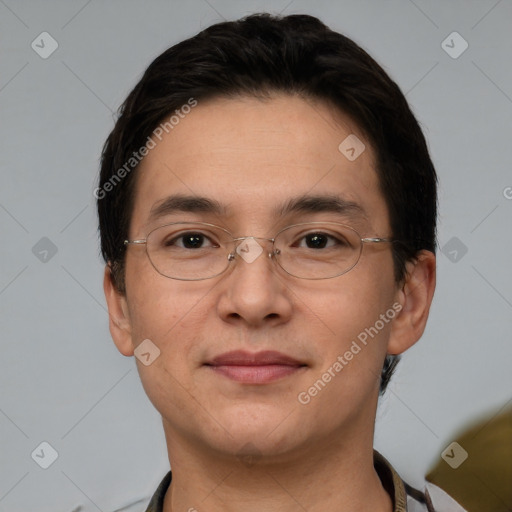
255, 160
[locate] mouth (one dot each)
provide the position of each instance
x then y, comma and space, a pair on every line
255, 368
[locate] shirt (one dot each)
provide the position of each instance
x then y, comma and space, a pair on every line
405, 498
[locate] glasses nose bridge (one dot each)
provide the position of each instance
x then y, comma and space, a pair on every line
238, 241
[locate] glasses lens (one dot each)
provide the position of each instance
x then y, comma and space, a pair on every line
189, 251
318, 250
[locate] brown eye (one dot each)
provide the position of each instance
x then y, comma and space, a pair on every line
320, 241
316, 241
191, 240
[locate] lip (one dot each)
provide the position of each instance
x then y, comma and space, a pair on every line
255, 368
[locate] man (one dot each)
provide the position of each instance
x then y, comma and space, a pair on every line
267, 210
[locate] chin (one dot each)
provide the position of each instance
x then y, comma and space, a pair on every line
257, 432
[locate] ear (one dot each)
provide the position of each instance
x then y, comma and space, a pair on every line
119, 318
415, 296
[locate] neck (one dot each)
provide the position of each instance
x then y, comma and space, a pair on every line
324, 476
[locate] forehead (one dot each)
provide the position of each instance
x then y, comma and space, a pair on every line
253, 157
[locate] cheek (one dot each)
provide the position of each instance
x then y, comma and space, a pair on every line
166, 316
350, 341
155, 302
169, 317
354, 314
355, 300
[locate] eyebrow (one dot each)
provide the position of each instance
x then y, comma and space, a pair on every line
302, 204
323, 203
182, 203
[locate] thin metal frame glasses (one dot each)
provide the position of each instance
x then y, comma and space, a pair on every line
194, 251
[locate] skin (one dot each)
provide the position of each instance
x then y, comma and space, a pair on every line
251, 155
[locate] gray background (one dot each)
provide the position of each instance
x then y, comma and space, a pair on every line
61, 378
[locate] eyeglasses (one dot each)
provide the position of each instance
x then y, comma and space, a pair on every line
193, 251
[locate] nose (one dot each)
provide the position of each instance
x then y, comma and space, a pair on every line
254, 292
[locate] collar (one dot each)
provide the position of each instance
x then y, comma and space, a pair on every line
390, 479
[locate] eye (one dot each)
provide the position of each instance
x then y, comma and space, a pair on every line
320, 241
189, 240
